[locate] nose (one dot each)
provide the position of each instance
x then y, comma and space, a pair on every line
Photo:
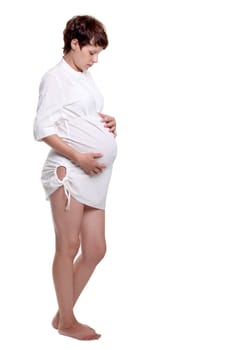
95, 58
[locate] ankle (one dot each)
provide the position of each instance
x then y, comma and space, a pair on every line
66, 322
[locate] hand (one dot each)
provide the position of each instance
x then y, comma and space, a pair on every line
87, 161
109, 122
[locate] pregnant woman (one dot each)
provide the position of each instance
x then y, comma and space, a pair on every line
78, 168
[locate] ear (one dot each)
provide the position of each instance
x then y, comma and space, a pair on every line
74, 44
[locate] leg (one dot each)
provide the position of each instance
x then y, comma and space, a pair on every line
67, 226
93, 250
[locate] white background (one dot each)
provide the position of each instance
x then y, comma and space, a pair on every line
167, 76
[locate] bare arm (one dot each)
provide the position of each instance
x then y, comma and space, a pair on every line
86, 161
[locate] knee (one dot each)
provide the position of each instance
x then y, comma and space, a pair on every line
68, 248
99, 254
93, 256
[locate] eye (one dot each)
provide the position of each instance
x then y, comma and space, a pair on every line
91, 53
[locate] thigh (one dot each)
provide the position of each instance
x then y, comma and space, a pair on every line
93, 230
67, 223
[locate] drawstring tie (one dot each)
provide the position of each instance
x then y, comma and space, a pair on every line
65, 183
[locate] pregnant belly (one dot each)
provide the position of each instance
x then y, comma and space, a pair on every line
93, 137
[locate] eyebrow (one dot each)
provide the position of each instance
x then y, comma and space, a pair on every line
96, 49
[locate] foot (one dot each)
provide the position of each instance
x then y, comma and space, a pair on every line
55, 321
79, 331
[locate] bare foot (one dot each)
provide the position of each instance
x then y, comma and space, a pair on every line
79, 331
55, 321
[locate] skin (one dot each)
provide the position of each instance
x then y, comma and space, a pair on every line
81, 226
84, 58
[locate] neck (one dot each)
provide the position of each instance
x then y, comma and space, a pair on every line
70, 61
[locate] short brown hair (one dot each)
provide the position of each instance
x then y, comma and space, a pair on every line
87, 30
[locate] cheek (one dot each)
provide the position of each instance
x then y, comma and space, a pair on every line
85, 58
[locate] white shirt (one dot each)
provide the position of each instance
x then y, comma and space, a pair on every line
69, 105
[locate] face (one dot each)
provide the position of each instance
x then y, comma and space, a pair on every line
82, 59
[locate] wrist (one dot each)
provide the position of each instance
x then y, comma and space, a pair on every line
75, 156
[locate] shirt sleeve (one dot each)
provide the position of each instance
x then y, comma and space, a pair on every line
49, 108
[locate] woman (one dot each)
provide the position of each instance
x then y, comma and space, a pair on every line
78, 168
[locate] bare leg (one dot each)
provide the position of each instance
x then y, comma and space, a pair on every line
67, 226
93, 250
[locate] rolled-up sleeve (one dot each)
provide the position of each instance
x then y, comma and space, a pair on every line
49, 108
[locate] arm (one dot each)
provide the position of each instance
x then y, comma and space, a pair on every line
86, 161
49, 108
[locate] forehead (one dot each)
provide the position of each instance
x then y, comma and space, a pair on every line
93, 48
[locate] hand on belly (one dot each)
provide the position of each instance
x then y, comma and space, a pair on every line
89, 163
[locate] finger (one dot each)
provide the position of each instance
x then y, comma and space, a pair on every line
101, 166
95, 171
113, 129
107, 118
103, 116
110, 123
88, 172
110, 127
97, 155
98, 170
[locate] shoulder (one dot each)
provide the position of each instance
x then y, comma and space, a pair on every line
52, 78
